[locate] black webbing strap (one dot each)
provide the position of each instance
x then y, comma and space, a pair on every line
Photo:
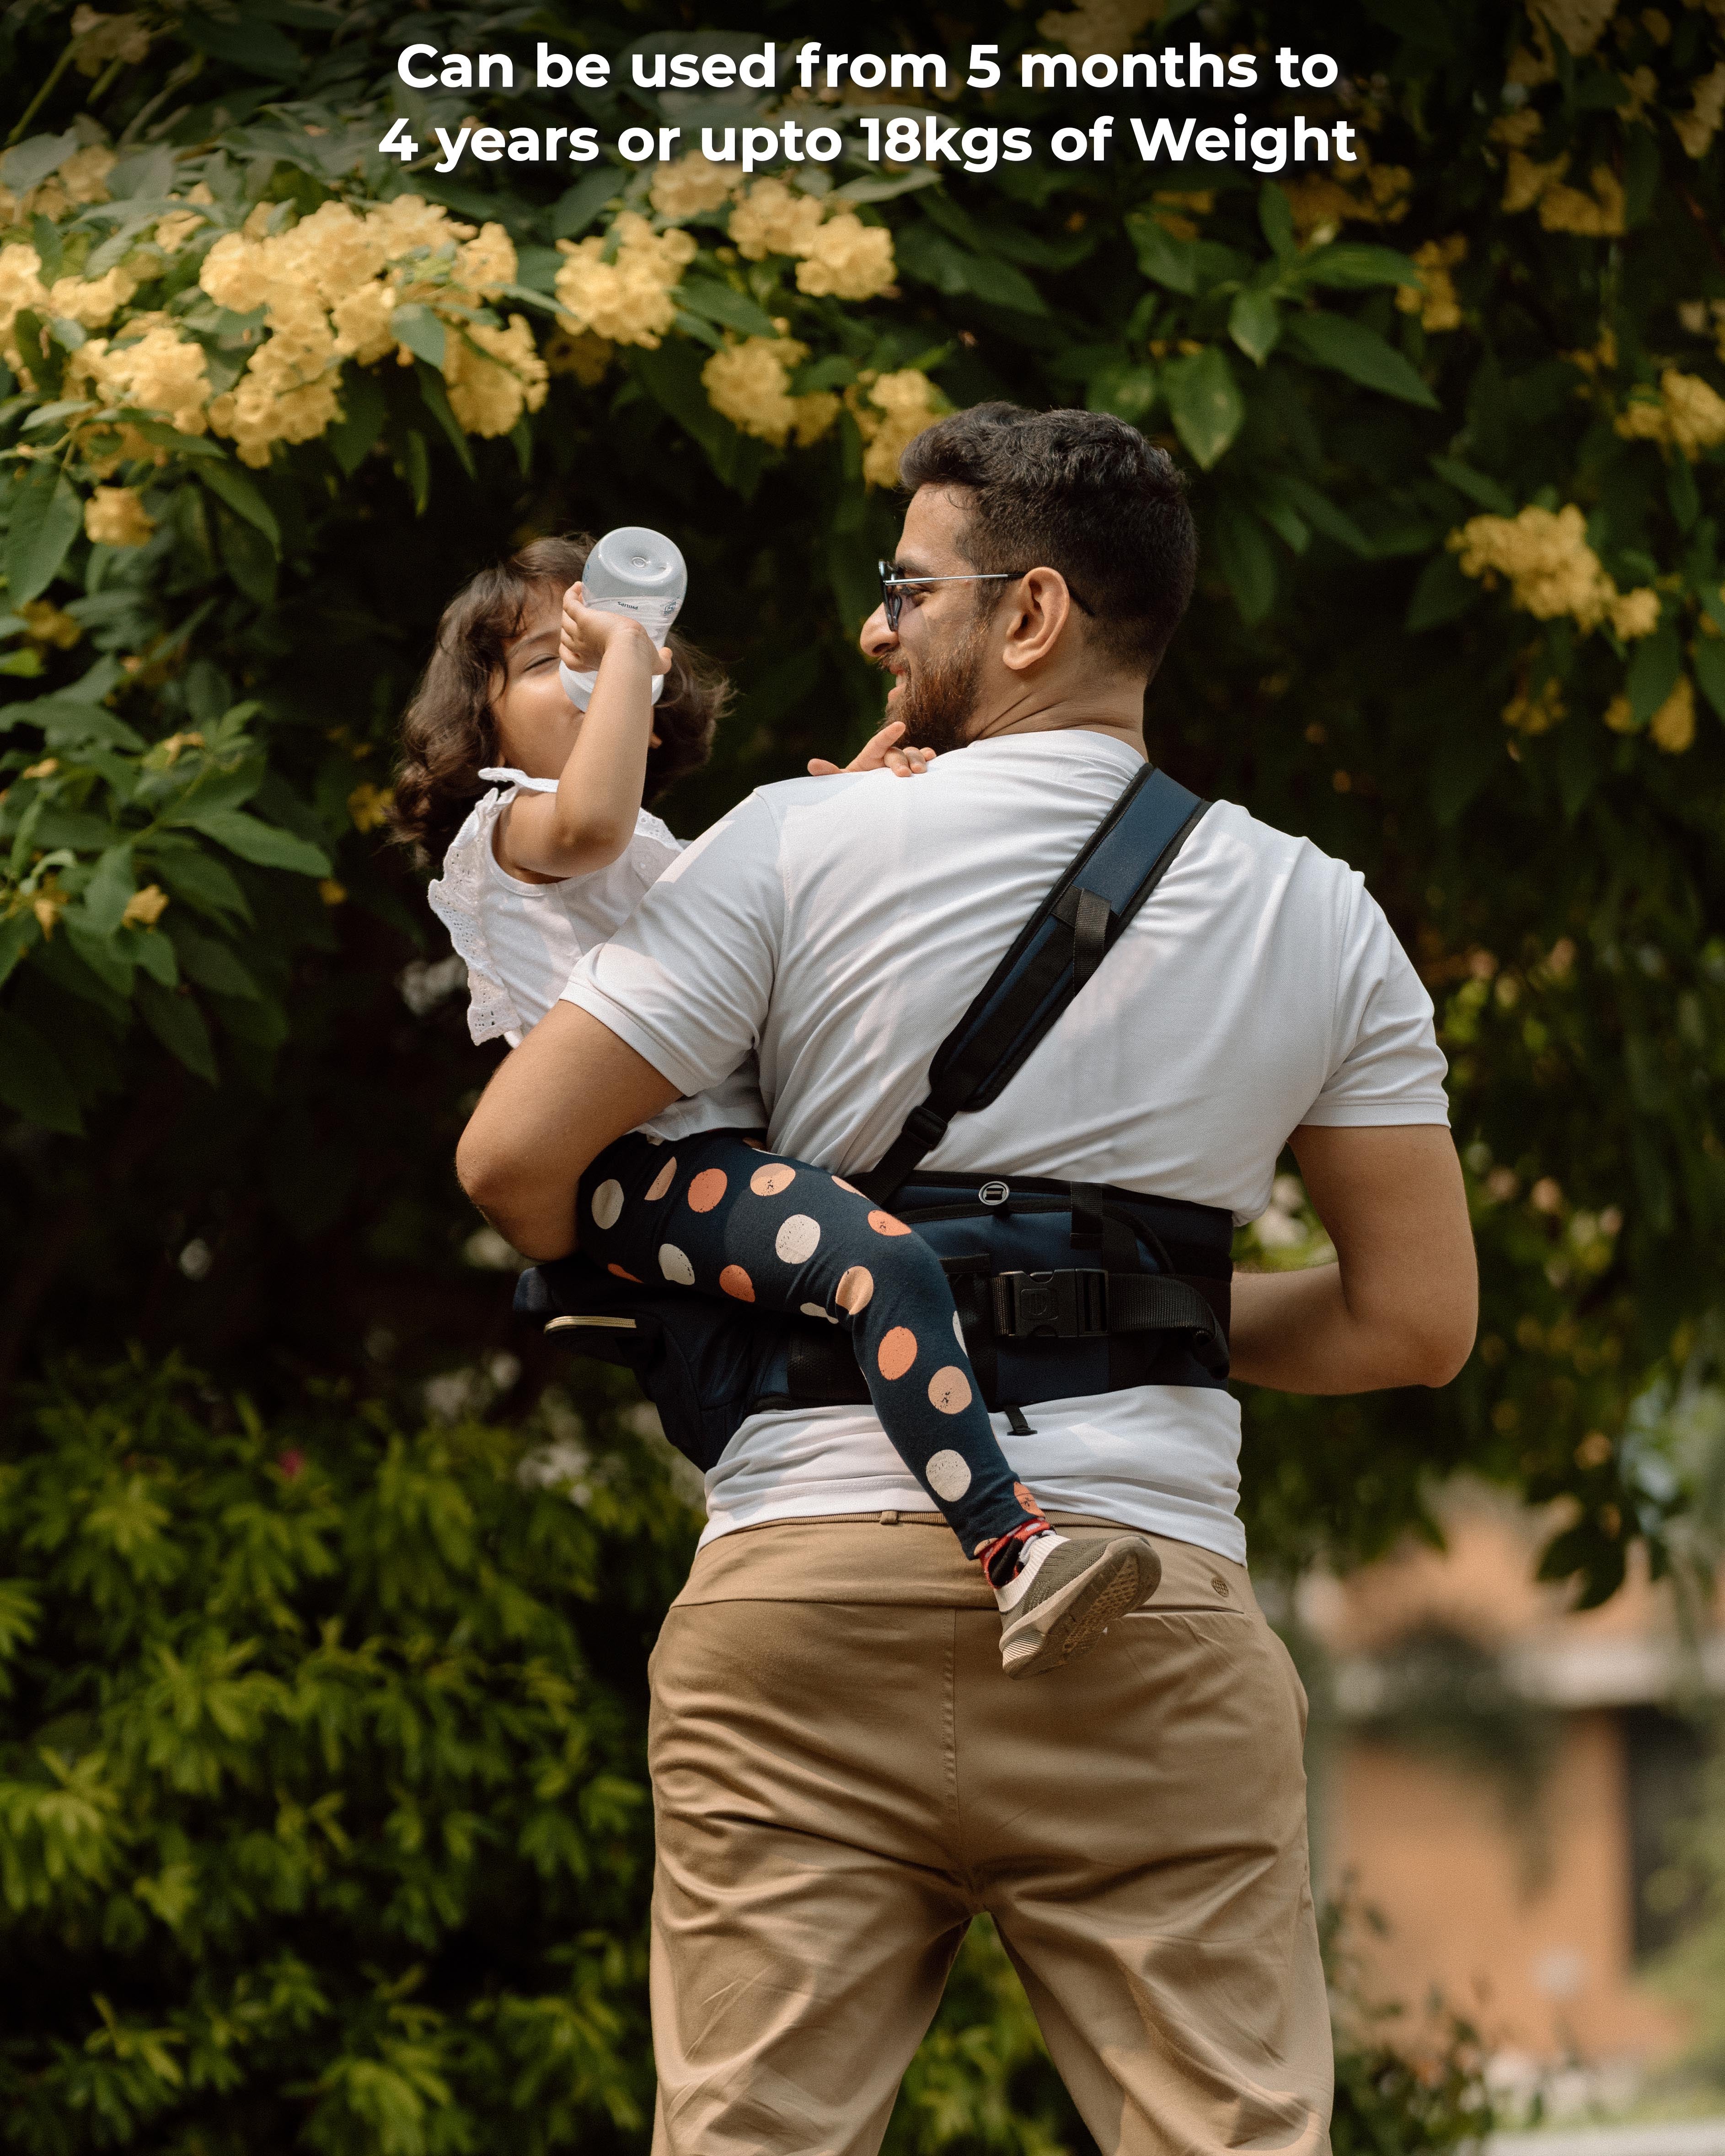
1058, 950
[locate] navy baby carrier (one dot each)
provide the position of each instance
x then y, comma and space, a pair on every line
1063, 1289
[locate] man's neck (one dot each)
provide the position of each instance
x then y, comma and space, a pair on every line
1119, 719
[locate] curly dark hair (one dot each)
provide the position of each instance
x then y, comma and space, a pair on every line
448, 733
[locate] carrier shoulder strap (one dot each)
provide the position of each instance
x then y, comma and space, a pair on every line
1060, 947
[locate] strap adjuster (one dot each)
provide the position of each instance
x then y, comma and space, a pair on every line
926, 1125
1071, 1304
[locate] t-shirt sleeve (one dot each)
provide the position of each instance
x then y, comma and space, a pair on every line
1388, 1068
687, 979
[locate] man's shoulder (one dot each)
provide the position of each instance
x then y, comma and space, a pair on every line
1229, 828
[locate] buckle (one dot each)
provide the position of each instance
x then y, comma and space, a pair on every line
1071, 1304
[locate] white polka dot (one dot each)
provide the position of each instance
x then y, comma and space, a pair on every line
815, 1310
797, 1238
957, 1329
608, 1203
674, 1266
948, 1476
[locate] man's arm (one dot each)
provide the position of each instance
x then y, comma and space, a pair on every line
570, 1088
1400, 1304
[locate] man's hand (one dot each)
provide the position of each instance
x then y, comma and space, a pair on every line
1400, 1306
879, 753
562, 1097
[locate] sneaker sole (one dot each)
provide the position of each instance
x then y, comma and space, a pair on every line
1109, 1592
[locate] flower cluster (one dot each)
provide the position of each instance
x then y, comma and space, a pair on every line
1696, 129
1689, 416
90, 302
82, 179
692, 185
104, 39
329, 287
841, 257
1595, 216
628, 298
890, 413
1436, 303
1536, 713
1552, 570
749, 383
1369, 193
1672, 725
115, 516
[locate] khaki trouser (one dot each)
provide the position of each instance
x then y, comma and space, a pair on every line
843, 1778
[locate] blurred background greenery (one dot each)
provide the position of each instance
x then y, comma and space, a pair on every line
322, 1814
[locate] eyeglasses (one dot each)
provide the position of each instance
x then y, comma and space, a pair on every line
894, 584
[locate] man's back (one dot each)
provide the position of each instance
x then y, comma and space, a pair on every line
841, 928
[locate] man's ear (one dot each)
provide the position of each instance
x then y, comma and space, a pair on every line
1041, 607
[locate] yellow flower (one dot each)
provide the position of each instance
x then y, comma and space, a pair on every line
1552, 569
487, 264
145, 907
771, 220
1597, 216
890, 413
1535, 714
1696, 129
175, 228
159, 372
1517, 129
490, 388
847, 259
94, 301
45, 769
1099, 26
1526, 182
693, 183
1672, 725
628, 300
332, 892
1690, 416
21, 286
1619, 716
44, 623
103, 38
749, 383
584, 355
1436, 305
115, 516
1580, 24
369, 806
46, 906
362, 318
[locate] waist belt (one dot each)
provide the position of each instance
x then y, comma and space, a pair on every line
1062, 1289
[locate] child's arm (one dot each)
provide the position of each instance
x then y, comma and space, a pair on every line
588, 822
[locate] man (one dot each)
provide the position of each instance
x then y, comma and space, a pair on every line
843, 1777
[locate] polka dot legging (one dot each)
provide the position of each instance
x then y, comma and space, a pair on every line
720, 1213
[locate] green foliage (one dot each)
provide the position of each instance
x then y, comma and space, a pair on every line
323, 1820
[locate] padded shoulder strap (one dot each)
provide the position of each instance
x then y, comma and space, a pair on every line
1060, 946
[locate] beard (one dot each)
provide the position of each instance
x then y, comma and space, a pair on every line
938, 698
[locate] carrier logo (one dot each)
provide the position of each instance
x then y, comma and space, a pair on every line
994, 1194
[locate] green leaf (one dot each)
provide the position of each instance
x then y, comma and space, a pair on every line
416, 465
1351, 266
231, 485
100, 952
249, 559
436, 400
576, 210
1254, 323
1246, 560
151, 950
1275, 218
1205, 402
1443, 594
423, 332
1349, 348
715, 302
46, 517
266, 845
1476, 485
1123, 388
157, 430
29, 163
18, 933
1324, 516
110, 890
212, 965
178, 1024
1164, 259
1653, 671
197, 877
1709, 659
257, 46
33, 1082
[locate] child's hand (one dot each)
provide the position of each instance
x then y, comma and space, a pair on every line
881, 753
588, 635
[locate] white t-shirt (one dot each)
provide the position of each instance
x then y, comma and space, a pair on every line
838, 928
519, 940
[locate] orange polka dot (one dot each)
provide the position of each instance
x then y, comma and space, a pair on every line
855, 1288
769, 1182
706, 1190
883, 1224
663, 1181
897, 1352
734, 1281
850, 1187
949, 1390
621, 1274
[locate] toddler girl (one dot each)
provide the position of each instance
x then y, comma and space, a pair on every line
535, 808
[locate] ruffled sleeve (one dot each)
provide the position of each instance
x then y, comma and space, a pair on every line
458, 900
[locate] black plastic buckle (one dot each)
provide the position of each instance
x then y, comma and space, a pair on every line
1069, 1305
926, 1125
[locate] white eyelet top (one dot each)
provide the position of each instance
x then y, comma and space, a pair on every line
521, 940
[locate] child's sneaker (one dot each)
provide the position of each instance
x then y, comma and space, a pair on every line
1065, 1594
